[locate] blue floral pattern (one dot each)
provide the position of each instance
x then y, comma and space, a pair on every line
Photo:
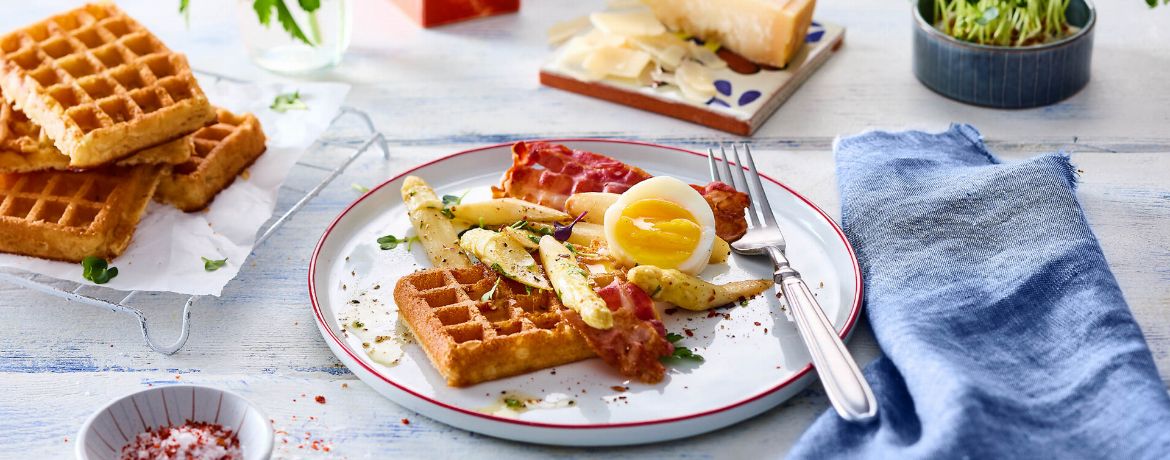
815, 32
723, 87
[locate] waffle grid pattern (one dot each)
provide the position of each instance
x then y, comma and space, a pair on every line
24, 148
99, 68
71, 215
221, 152
470, 340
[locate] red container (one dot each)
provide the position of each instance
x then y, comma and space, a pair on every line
431, 13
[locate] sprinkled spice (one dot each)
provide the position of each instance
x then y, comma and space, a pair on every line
191, 440
320, 399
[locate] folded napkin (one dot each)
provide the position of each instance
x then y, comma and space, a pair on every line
1005, 334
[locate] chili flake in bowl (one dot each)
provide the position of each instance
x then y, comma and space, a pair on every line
177, 422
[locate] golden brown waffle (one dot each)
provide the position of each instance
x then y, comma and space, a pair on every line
23, 148
71, 215
469, 340
222, 151
100, 85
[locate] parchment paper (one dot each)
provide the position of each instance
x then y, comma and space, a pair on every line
165, 253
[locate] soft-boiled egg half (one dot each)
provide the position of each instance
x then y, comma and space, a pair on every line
663, 222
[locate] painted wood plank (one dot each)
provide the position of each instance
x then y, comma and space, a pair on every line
437, 91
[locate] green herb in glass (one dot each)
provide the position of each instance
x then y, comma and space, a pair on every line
266, 9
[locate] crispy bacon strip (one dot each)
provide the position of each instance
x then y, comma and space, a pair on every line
566, 171
637, 341
728, 206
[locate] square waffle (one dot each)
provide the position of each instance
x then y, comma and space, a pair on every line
23, 148
71, 215
100, 85
469, 340
222, 151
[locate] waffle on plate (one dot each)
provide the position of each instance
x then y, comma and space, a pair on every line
100, 85
222, 151
471, 340
71, 215
24, 148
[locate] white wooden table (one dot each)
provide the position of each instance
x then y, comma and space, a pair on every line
433, 92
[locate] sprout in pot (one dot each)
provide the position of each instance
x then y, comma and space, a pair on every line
1004, 53
1003, 23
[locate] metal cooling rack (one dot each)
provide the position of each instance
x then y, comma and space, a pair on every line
108, 298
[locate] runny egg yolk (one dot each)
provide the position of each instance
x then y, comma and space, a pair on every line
658, 232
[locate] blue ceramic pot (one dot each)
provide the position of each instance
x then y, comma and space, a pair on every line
1004, 77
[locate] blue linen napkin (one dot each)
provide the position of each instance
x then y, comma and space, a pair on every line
1004, 333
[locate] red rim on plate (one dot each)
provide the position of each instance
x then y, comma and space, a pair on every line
854, 312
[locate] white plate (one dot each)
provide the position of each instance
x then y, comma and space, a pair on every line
746, 372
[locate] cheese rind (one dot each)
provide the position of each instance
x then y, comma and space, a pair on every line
764, 31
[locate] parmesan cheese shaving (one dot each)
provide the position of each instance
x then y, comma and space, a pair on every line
632, 23
564, 30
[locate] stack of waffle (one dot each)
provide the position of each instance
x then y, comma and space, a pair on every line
97, 116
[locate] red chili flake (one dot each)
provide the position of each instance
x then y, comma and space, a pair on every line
406, 421
345, 385
177, 377
689, 332
757, 323
712, 314
67, 439
320, 399
765, 330
619, 388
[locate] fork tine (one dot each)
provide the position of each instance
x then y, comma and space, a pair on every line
765, 207
753, 211
726, 172
711, 165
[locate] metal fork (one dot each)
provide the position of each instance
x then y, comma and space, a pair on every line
848, 391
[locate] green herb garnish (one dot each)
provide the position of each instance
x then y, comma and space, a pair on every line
96, 269
499, 269
452, 200
680, 353
389, 242
656, 291
213, 265
684, 353
288, 101
490, 293
514, 403
359, 187
358, 324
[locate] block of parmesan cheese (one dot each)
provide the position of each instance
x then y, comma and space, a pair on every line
764, 31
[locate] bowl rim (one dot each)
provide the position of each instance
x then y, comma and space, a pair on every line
921, 23
79, 449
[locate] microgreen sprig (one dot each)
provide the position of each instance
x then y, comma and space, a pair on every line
97, 270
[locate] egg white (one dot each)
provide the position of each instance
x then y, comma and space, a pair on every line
673, 190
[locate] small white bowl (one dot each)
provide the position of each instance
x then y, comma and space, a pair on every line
113, 426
